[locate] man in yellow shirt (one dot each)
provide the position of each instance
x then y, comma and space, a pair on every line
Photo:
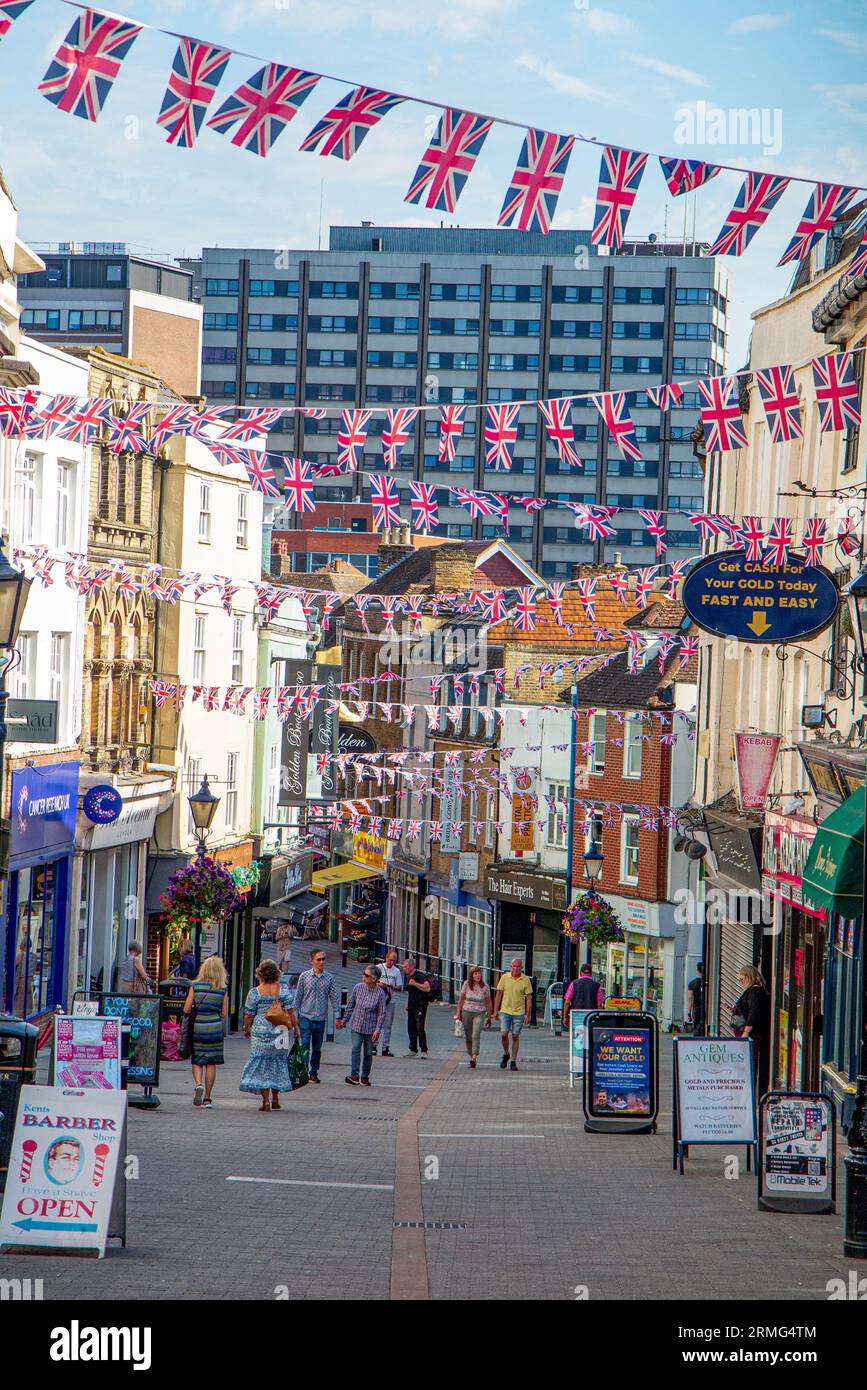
512, 1006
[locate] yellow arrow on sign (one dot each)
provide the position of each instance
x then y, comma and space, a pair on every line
759, 623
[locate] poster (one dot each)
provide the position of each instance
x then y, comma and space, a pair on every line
795, 1135
296, 739
715, 1091
66, 1150
620, 1072
87, 1052
755, 758
577, 1040
143, 1014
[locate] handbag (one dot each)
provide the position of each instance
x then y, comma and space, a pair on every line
459, 1028
738, 1021
277, 1015
185, 1037
298, 1073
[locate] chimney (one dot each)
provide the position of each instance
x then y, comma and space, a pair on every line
394, 544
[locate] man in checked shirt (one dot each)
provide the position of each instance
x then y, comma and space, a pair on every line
315, 988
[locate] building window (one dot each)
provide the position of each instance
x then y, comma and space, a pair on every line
556, 829
199, 628
22, 678
629, 850
58, 666
237, 650
64, 512
243, 523
593, 833
632, 731
596, 737
474, 816
25, 499
205, 513
231, 791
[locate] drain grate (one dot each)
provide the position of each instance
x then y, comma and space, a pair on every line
384, 1119
431, 1225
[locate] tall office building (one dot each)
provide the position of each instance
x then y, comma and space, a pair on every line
399, 315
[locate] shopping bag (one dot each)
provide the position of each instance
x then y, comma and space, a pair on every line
298, 1073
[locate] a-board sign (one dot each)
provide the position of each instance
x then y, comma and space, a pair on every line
797, 1152
87, 1052
731, 596
714, 1095
143, 1014
66, 1151
621, 1072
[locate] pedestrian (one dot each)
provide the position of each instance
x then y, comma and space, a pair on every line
695, 1000
365, 1011
751, 1018
210, 997
315, 988
132, 976
391, 980
583, 993
474, 1010
418, 991
267, 1067
283, 942
512, 1006
186, 966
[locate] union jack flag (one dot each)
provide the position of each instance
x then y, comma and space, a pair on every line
386, 503
847, 535
479, 503
251, 424
228, 455
531, 198
688, 650
619, 177
262, 107
655, 527
351, 437
449, 160
500, 435
721, 414
612, 407
177, 420
858, 263
343, 128
424, 506
126, 433
644, 584
82, 72
619, 581
587, 597
529, 503
780, 538
398, 424
269, 599
260, 473
50, 417
555, 594
10, 10
16, 411
86, 421
200, 420
758, 196
493, 606
451, 427
676, 572
780, 401
666, 643
710, 524
665, 397
814, 539
314, 412
196, 74
525, 610
753, 535
594, 518
298, 486
836, 392
557, 415
686, 175
828, 201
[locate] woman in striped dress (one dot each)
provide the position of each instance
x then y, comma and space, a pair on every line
210, 996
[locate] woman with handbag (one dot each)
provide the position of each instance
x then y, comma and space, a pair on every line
207, 1004
474, 1010
751, 1018
267, 1015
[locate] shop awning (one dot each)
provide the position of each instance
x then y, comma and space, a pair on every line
833, 875
323, 879
290, 909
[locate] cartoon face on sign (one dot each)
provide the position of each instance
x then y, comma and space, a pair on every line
64, 1160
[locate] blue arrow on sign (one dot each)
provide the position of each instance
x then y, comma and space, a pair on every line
30, 1225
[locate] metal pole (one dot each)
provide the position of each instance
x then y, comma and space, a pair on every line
570, 834
4, 871
855, 1222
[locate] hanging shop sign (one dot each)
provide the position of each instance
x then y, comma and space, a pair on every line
785, 849
289, 875
87, 1052
102, 804
351, 739
295, 741
370, 850
323, 728
797, 1152
755, 759
523, 808
621, 1073
31, 721
714, 1100
730, 596
42, 811
533, 890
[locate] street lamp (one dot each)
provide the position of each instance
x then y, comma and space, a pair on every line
203, 808
856, 599
593, 859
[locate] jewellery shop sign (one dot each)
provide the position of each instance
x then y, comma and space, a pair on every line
730, 596
785, 849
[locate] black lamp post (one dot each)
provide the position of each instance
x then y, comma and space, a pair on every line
14, 588
203, 808
593, 860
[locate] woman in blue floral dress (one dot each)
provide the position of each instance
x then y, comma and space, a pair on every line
267, 1070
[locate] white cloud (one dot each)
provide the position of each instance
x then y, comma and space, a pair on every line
848, 98
559, 81
759, 23
693, 79
603, 22
846, 38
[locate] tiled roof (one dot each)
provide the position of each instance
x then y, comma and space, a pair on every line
661, 613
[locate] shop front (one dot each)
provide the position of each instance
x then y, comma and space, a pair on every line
43, 808
464, 922
530, 910
407, 896
737, 916
354, 883
645, 964
799, 948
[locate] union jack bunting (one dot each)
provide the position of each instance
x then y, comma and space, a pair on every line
554, 594
391, 606
666, 643
251, 424
125, 432
261, 702
612, 407
619, 581
664, 397
758, 196
847, 535
644, 584
587, 597
50, 417
501, 432
451, 427
814, 539
260, 473
676, 573
557, 415
16, 411
178, 419
858, 263
343, 128
753, 535
196, 74
398, 424
269, 600
314, 412
688, 650
424, 506
836, 392
228, 455
86, 421
449, 160
531, 198
595, 519
780, 538
721, 414
655, 527
710, 524
781, 405
525, 610
479, 503
686, 175
82, 72
619, 177
529, 503
262, 108
493, 606
298, 486
351, 437
386, 503
200, 420
828, 201
10, 10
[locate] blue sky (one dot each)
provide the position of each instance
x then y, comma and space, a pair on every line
627, 72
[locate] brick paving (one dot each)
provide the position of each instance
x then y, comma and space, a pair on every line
547, 1207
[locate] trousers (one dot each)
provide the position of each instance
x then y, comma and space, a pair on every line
416, 1013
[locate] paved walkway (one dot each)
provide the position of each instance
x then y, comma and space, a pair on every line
230, 1203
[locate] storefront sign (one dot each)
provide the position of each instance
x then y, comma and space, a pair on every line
319, 838
534, 890
232, 856
370, 850
785, 849
620, 1071
42, 809
755, 758
797, 1160
86, 1052
402, 878
31, 721
714, 1102
323, 728
102, 804
295, 741
731, 596
135, 822
289, 876
142, 1014
351, 739
523, 836
468, 866
735, 852
623, 1004
66, 1152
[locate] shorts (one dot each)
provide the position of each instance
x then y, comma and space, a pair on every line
511, 1023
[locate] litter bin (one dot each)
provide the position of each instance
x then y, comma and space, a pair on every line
18, 1044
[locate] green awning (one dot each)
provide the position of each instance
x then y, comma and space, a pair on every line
833, 875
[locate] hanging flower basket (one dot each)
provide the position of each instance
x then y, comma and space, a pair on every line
199, 891
246, 877
592, 919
